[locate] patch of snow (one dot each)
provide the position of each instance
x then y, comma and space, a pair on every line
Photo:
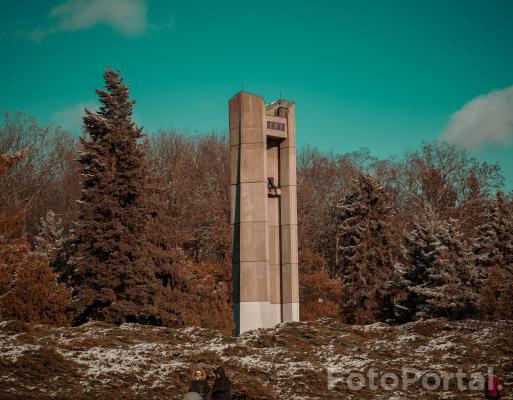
346, 364
375, 327
254, 362
14, 352
411, 338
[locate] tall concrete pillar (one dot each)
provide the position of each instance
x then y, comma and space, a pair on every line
263, 212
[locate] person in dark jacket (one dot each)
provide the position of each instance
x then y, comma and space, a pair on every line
221, 388
199, 383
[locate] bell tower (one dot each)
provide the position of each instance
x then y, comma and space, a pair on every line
263, 212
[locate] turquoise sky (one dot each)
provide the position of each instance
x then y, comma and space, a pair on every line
385, 75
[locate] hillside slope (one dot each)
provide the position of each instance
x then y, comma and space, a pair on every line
100, 361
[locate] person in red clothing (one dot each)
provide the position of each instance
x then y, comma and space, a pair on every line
493, 387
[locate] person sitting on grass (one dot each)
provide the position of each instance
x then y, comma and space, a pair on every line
199, 383
221, 388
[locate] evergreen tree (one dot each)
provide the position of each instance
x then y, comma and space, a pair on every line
494, 242
366, 252
493, 248
51, 238
114, 278
57, 246
438, 277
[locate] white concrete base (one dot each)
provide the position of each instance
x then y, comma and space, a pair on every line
274, 317
290, 312
251, 315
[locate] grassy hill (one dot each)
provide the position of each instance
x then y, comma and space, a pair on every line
291, 361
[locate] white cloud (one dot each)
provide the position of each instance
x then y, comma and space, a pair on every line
484, 121
71, 118
129, 17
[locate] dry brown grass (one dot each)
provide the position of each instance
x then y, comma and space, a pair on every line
102, 361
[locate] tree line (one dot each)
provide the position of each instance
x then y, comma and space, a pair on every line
125, 227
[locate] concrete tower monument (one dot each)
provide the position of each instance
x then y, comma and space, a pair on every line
263, 212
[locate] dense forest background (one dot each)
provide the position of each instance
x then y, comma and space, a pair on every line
125, 227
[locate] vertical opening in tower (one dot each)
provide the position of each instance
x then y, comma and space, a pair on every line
274, 223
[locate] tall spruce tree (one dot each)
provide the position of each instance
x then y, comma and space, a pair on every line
114, 277
367, 252
494, 242
493, 248
438, 277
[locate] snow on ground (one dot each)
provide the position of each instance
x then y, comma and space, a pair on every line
291, 361
12, 353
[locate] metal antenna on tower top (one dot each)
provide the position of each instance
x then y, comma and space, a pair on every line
242, 86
